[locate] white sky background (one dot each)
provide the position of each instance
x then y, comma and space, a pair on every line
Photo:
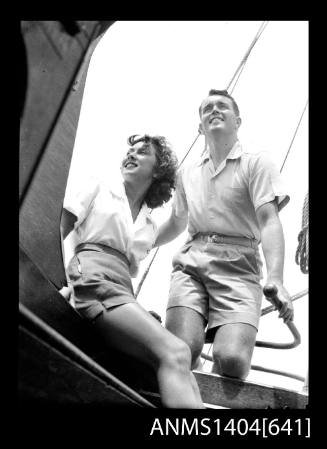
151, 77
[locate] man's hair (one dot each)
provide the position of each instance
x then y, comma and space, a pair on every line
161, 189
224, 93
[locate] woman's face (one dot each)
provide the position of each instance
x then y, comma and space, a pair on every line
140, 162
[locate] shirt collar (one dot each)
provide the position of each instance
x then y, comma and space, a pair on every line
117, 187
234, 153
146, 210
144, 217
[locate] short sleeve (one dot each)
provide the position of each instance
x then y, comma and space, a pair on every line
179, 205
78, 201
265, 182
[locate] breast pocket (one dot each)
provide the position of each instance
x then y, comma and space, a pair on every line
234, 197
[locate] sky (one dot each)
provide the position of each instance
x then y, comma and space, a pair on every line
150, 77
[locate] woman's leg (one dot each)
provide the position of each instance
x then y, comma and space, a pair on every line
132, 330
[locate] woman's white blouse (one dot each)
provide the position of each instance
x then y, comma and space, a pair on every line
104, 216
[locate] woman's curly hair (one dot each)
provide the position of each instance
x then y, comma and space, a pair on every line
161, 189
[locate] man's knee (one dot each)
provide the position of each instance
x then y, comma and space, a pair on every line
232, 363
192, 334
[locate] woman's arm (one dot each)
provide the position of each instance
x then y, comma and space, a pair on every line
170, 229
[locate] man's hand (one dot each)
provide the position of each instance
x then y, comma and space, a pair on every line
287, 310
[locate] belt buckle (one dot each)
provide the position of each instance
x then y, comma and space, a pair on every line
215, 238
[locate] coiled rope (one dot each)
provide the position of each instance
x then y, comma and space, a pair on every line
302, 252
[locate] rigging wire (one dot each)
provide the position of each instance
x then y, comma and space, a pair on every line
189, 149
296, 130
245, 57
237, 72
145, 274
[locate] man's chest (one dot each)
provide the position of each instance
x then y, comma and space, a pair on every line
204, 185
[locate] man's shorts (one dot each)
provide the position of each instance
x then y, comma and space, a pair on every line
100, 279
219, 281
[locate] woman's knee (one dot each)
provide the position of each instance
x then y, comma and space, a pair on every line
194, 349
194, 345
176, 354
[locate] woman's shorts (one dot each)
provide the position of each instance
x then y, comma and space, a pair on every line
100, 279
219, 281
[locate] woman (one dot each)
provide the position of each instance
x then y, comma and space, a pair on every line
114, 231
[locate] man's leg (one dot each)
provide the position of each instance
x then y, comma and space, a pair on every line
233, 348
188, 325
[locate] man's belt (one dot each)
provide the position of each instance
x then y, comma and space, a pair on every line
213, 237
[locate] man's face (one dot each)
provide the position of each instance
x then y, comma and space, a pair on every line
140, 162
218, 115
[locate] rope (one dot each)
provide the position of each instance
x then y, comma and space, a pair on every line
302, 252
245, 57
189, 149
145, 274
237, 72
298, 125
208, 358
280, 373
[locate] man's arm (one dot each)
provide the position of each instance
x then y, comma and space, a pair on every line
169, 230
175, 224
273, 246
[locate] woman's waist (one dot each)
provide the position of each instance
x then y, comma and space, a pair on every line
90, 246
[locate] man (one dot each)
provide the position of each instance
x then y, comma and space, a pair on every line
230, 200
